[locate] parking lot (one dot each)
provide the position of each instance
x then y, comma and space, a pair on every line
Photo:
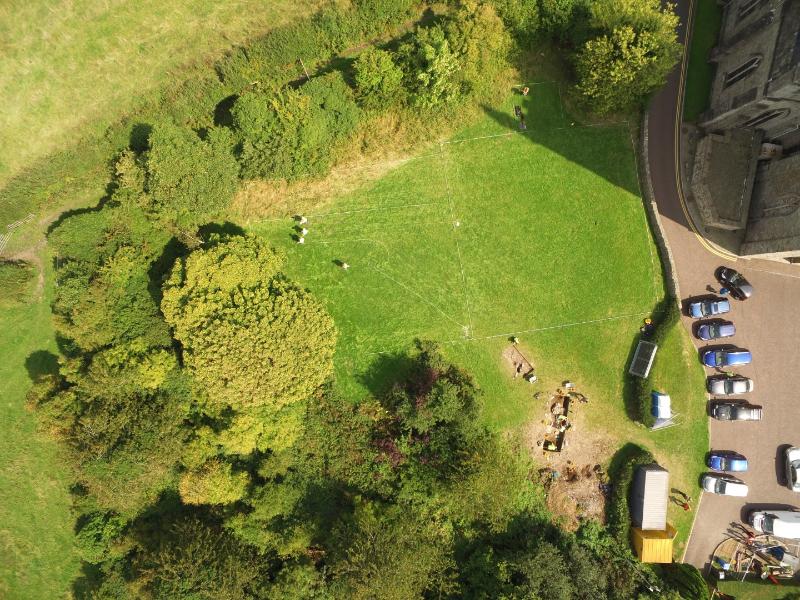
767, 325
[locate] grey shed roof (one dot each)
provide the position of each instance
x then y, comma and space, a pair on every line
649, 497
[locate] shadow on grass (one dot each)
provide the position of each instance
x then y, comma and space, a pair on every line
562, 141
384, 372
41, 363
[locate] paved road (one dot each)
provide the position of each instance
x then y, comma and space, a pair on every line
767, 324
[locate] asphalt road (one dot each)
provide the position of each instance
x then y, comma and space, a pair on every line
767, 324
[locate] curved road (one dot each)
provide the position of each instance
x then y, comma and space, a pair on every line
766, 324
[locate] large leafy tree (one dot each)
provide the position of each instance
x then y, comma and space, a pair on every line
636, 46
254, 342
431, 67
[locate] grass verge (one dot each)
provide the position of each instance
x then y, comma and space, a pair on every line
35, 517
700, 73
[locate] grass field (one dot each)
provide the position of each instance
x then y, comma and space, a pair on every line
700, 73
35, 520
72, 66
759, 591
541, 235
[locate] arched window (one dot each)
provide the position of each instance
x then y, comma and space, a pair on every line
742, 71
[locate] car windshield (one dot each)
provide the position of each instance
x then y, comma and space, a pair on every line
794, 469
713, 330
723, 463
719, 487
769, 521
718, 357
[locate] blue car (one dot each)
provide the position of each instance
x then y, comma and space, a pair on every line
709, 308
726, 358
716, 330
732, 462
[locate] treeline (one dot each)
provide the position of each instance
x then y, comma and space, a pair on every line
212, 454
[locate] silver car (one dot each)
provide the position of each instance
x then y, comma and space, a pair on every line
729, 385
793, 468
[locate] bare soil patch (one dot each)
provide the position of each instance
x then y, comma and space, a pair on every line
575, 476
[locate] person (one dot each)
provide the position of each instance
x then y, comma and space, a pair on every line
525, 90
723, 291
301, 240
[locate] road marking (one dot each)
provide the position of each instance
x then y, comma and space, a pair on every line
710, 246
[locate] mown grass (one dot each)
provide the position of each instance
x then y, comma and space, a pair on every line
755, 590
700, 73
539, 234
35, 519
72, 67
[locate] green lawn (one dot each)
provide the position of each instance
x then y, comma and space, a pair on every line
35, 520
700, 73
759, 591
540, 235
75, 65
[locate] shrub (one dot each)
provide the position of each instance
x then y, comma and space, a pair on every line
189, 180
294, 132
642, 387
618, 514
379, 81
520, 16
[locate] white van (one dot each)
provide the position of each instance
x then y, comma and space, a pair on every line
724, 485
780, 523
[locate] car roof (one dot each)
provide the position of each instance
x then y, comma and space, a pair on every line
727, 328
736, 357
735, 488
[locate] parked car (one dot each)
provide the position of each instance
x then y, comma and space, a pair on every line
715, 330
780, 523
729, 385
709, 307
793, 468
733, 280
726, 358
723, 460
731, 410
724, 485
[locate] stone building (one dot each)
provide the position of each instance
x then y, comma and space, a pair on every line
746, 174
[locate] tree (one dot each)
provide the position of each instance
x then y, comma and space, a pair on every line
213, 483
480, 41
251, 339
195, 559
636, 48
188, 180
116, 306
393, 554
430, 67
379, 81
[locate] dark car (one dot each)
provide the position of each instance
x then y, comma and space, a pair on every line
714, 330
726, 358
709, 307
733, 280
729, 385
731, 410
725, 460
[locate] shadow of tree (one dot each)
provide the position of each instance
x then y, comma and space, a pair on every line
385, 371
41, 363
